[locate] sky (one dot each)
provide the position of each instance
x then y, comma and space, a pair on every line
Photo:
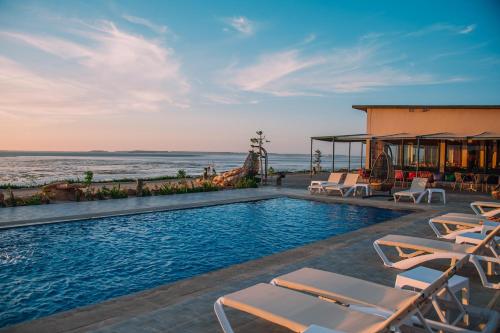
205, 75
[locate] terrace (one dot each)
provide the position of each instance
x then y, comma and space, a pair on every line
187, 305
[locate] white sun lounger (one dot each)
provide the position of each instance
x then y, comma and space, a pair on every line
346, 188
424, 250
479, 206
449, 226
319, 186
374, 298
416, 191
298, 311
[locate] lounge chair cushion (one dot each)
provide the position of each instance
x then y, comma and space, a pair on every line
346, 289
424, 244
298, 311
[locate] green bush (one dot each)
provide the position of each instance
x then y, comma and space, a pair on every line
146, 192
181, 174
209, 187
117, 193
246, 183
35, 199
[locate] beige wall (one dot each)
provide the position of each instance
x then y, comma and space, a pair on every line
418, 121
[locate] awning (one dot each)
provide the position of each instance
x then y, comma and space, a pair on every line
344, 138
485, 136
408, 136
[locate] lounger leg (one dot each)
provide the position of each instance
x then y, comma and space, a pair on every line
435, 229
420, 197
482, 275
382, 255
221, 315
349, 191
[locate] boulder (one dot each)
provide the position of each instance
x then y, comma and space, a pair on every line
64, 191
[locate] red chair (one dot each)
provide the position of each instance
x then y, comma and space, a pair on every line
428, 175
399, 176
411, 175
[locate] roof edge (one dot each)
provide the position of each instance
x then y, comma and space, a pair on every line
379, 106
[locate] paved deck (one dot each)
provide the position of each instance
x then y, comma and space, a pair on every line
187, 305
29, 215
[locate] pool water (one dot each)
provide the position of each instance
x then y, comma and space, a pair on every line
50, 268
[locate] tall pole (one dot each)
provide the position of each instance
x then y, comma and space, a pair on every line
418, 153
333, 154
311, 165
361, 156
349, 161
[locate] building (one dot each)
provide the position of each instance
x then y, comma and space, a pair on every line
438, 138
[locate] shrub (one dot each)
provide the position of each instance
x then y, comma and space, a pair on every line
146, 192
35, 199
209, 187
100, 194
117, 193
246, 183
181, 174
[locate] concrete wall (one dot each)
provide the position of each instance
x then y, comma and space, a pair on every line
427, 121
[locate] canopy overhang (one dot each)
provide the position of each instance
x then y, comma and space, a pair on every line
408, 136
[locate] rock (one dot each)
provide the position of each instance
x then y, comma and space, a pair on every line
2, 199
63, 191
131, 191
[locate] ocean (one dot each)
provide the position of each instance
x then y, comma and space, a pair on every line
36, 168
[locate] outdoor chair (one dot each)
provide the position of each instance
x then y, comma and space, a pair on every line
399, 176
451, 225
374, 298
319, 186
479, 207
424, 250
346, 187
416, 192
299, 312
459, 181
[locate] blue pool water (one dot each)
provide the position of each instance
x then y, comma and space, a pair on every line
50, 268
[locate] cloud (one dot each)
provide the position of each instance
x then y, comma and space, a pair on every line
242, 25
104, 70
309, 39
443, 27
355, 69
160, 29
468, 29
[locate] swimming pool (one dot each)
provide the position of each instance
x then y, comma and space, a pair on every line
50, 268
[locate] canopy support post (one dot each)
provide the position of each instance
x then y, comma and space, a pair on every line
418, 153
333, 154
311, 165
349, 160
361, 156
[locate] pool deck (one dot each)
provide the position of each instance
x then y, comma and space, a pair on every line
187, 305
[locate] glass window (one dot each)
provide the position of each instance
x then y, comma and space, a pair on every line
427, 155
473, 155
454, 155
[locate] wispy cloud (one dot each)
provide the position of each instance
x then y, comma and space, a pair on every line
309, 39
468, 29
443, 27
355, 69
107, 71
242, 25
160, 29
